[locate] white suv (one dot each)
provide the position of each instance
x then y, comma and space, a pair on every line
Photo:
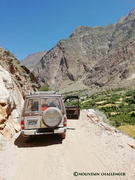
45, 113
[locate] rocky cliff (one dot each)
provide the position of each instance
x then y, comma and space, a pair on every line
16, 81
91, 57
117, 67
71, 59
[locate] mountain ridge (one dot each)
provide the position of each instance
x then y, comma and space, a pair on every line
92, 56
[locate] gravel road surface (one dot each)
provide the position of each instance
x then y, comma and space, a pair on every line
88, 152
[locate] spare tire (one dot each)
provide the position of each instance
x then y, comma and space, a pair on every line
52, 117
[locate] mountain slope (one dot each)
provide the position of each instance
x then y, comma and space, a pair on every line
72, 58
91, 57
117, 67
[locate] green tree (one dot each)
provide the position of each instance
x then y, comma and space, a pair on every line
44, 88
117, 123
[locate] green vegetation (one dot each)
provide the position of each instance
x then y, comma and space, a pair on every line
130, 27
8, 53
118, 32
44, 88
128, 129
133, 17
100, 30
72, 102
128, 36
118, 105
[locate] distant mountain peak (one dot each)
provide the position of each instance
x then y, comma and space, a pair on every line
132, 12
130, 16
79, 30
31, 60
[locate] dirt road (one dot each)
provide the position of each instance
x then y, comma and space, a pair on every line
87, 153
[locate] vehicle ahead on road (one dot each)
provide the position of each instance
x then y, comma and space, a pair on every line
45, 113
73, 110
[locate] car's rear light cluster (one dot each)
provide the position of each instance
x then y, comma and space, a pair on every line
22, 124
65, 121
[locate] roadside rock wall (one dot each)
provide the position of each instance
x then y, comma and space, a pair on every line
11, 103
16, 81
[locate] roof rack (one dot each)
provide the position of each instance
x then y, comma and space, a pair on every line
43, 92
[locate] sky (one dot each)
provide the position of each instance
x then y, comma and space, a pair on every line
30, 26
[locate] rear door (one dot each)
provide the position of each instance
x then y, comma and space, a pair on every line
32, 113
72, 107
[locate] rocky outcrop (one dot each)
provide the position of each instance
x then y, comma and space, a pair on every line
15, 81
116, 68
98, 120
21, 76
10, 105
93, 117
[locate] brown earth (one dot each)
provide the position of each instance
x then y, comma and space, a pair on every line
88, 148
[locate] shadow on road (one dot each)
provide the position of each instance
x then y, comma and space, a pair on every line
38, 141
71, 129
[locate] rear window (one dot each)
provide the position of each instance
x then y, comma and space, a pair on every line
50, 102
32, 105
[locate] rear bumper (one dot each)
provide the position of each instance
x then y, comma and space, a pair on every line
28, 132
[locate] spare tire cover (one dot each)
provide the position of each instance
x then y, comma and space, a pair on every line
52, 117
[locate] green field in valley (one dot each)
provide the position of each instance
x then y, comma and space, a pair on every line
128, 129
118, 106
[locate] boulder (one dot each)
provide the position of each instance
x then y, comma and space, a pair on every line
6, 134
10, 128
6, 89
11, 103
93, 117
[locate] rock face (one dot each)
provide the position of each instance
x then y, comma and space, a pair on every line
15, 82
71, 59
98, 56
8, 105
117, 67
31, 60
20, 75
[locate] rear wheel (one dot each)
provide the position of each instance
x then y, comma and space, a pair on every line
63, 135
27, 138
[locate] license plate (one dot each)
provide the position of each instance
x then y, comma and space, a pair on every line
32, 123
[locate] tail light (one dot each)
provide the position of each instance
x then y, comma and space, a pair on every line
22, 124
65, 121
